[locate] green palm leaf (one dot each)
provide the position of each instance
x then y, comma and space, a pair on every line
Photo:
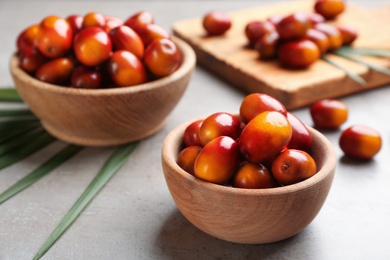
6, 136
369, 65
16, 112
41, 171
9, 94
10, 125
15, 143
350, 74
25, 150
367, 52
112, 165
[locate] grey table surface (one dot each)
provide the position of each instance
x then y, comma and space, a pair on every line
134, 217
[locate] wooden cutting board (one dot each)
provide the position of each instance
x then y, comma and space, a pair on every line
228, 56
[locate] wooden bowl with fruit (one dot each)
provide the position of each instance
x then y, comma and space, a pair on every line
252, 180
96, 80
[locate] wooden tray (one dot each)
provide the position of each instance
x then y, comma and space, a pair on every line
228, 56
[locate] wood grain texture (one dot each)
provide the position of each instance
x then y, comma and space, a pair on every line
228, 56
244, 215
105, 117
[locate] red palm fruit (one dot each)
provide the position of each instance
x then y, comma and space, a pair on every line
301, 138
219, 124
265, 136
125, 38
55, 37
187, 157
257, 103
292, 166
218, 160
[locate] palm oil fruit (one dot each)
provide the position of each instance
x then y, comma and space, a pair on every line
162, 57
186, 158
292, 166
298, 53
55, 37
92, 46
265, 136
301, 137
329, 9
126, 69
93, 19
257, 103
293, 26
256, 29
240, 150
360, 142
218, 160
253, 176
139, 20
191, 134
100, 48
329, 113
319, 38
289, 38
125, 38
334, 35
267, 46
28, 39
86, 77
219, 124
56, 71
348, 33
216, 23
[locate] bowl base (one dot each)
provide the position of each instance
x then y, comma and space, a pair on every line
95, 141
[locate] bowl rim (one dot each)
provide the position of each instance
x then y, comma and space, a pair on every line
171, 145
188, 63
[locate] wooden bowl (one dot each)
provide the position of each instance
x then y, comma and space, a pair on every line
249, 216
105, 117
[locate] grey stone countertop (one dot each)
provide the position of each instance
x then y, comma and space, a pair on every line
134, 216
